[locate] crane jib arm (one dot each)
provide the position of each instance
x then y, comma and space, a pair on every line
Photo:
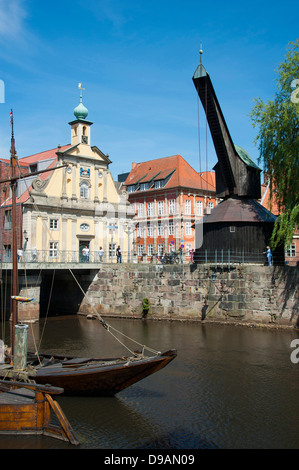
236, 173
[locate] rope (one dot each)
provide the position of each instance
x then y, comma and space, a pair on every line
46, 317
109, 327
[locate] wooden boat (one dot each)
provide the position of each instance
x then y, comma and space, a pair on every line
27, 408
97, 377
80, 376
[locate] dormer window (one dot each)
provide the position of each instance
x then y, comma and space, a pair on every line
159, 184
33, 168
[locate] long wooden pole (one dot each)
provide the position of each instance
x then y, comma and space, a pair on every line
13, 164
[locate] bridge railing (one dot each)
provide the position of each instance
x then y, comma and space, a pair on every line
214, 257
67, 257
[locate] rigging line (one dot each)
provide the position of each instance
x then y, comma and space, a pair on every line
48, 306
117, 339
107, 326
134, 341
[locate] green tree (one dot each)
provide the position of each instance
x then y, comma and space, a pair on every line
278, 142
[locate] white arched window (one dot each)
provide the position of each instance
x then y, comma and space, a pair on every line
84, 191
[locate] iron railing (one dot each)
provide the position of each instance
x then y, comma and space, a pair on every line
215, 257
230, 257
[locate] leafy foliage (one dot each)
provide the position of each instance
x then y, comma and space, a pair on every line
278, 142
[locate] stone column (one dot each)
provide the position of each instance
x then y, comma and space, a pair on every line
75, 248
74, 185
33, 231
105, 186
29, 286
96, 184
63, 247
44, 254
64, 176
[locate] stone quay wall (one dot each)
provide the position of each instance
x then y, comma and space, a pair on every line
242, 293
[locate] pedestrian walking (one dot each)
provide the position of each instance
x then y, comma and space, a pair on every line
34, 254
101, 254
118, 254
268, 253
20, 254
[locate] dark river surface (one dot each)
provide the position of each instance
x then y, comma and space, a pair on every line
229, 388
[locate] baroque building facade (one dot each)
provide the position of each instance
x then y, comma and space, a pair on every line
74, 209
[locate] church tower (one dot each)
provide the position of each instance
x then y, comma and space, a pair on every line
80, 127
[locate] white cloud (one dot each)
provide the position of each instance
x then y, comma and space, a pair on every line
12, 16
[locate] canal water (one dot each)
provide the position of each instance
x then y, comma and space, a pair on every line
230, 387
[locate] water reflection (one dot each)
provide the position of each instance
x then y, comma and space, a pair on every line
229, 387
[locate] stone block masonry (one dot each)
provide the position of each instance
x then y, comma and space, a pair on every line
243, 293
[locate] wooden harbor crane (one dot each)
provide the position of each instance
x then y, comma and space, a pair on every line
239, 226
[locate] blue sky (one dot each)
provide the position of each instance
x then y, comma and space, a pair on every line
136, 61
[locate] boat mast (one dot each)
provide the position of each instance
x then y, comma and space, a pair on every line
13, 185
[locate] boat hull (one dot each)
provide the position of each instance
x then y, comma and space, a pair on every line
97, 378
23, 415
26, 408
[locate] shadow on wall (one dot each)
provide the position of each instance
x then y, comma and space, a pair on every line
287, 276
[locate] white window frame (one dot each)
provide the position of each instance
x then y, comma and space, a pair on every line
170, 228
150, 209
140, 230
199, 208
140, 209
84, 190
140, 250
188, 229
171, 206
291, 250
160, 207
150, 230
160, 249
188, 206
160, 229
53, 224
150, 250
53, 250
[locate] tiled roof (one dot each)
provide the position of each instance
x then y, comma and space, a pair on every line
182, 174
47, 155
265, 200
239, 210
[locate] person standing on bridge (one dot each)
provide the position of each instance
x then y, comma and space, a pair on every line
20, 254
101, 254
118, 254
85, 253
268, 253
